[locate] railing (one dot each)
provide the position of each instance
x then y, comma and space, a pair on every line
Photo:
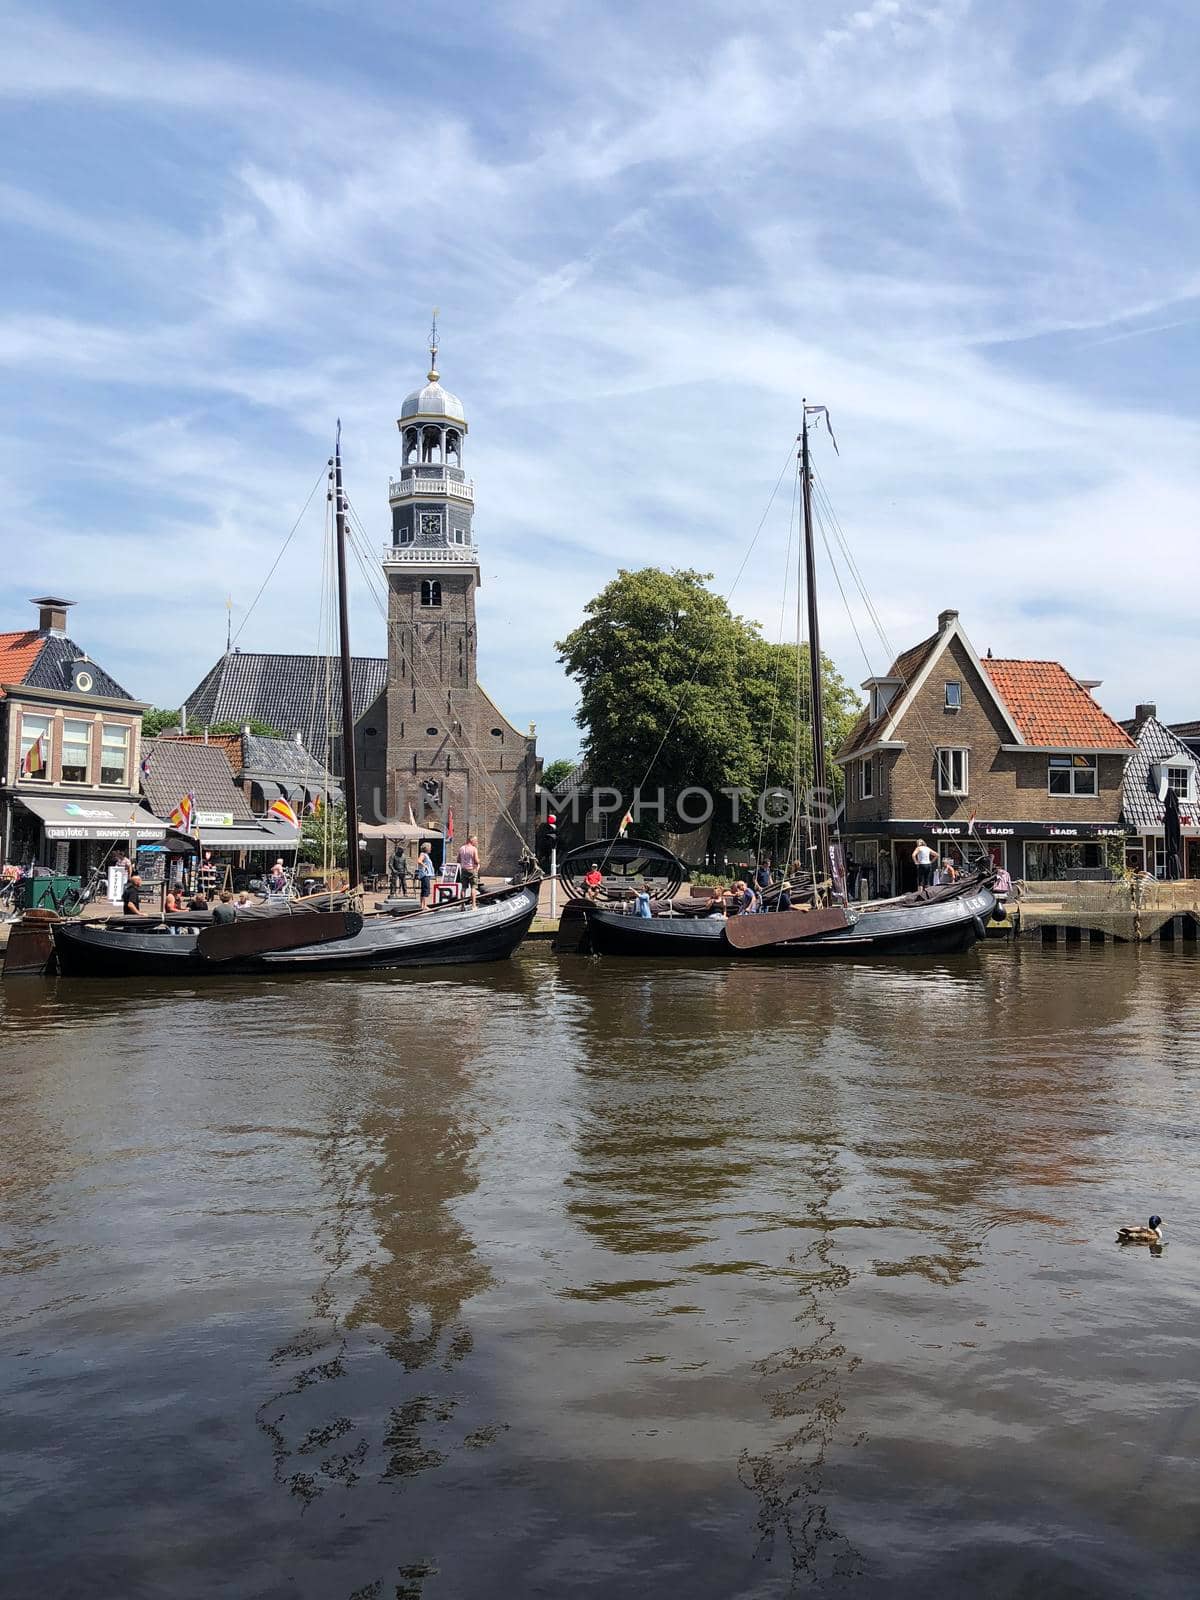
437, 555
399, 487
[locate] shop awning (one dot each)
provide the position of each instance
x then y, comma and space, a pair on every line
247, 838
396, 830
94, 818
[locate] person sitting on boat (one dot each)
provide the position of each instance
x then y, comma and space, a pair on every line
593, 880
198, 902
173, 902
225, 910
949, 870
745, 899
784, 900
716, 904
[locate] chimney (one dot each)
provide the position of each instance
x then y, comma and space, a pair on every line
52, 614
1143, 713
945, 618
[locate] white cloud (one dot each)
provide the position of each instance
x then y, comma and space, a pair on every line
643, 255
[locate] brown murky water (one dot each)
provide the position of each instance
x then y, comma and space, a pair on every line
570, 1279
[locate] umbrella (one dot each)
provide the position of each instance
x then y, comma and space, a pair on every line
1172, 836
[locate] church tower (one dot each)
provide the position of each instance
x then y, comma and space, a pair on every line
449, 748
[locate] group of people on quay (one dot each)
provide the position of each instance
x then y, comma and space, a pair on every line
424, 874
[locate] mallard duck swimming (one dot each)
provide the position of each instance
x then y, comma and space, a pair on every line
1150, 1235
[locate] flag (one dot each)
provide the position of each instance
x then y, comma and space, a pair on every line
33, 761
281, 808
146, 763
449, 826
313, 808
626, 824
183, 813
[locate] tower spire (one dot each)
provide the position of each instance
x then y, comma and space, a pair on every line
433, 348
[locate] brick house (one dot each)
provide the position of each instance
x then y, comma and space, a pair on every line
69, 752
1021, 745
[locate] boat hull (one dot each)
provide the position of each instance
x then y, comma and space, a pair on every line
447, 937
945, 927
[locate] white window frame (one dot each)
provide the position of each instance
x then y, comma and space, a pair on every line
948, 790
88, 724
956, 685
123, 729
1055, 763
1179, 769
25, 744
866, 779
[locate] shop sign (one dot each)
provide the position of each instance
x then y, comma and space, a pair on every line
214, 819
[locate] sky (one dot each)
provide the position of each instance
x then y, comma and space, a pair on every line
970, 230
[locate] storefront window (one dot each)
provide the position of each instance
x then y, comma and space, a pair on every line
1135, 855
114, 754
76, 751
1063, 861
1072, 775
35, 749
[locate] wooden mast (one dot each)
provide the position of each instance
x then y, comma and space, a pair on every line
349, 783
814, 661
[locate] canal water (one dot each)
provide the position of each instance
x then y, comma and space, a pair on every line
570, 1278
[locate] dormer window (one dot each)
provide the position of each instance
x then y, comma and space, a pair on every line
1179, 781
883, 692
953, 695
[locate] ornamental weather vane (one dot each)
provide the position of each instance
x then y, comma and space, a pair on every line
433, 348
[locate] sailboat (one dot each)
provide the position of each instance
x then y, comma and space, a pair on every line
313, 936
930, 922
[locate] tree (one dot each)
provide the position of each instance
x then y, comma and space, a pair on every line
262, 730
156, 721
676, 690
554, 772
321, 832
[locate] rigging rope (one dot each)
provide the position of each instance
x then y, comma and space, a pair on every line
277, 560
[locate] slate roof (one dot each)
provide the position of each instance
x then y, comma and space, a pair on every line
906, 667
178, 767
1052, 708
1140, 805
284, 691
282, 758
43, 661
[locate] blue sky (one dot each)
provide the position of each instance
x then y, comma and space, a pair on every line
970, 229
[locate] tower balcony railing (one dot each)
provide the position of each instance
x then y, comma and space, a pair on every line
430, 555
437, 487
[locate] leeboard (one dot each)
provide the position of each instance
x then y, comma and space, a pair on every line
235, 941
783, 927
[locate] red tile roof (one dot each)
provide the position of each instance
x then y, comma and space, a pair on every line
18, 652
1052, 708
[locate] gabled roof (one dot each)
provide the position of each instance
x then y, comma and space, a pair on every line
1053, 709
175, 767
43, 661
904, 669
287, 692
18, 652
281, 758
1156, 743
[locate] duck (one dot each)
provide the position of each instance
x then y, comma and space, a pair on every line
1151, 1235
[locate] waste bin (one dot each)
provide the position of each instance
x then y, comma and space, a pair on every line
50, 893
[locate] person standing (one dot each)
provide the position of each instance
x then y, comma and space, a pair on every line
468, 870
923, 859
425, 878
762, 876
397, 872
131, 897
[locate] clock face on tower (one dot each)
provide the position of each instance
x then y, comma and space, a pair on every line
431, 524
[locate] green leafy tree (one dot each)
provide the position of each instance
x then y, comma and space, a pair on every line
156, 721
320, 832
263, 730
555, 771
677, 690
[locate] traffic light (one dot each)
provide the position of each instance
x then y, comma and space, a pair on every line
551, 828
